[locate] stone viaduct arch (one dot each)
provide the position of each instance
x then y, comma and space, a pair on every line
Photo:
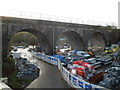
73, 39
49, 32
43, 41
97, 39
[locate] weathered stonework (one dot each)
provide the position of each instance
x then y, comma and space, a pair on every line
48, 33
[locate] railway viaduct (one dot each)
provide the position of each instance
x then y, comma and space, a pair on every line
50, 33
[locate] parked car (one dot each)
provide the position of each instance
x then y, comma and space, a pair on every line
78, 53
30, 49
72, 58
67, 60
28, 72
23, 60
14, 50
30, 65
20, 47
82, 53
93, 62
105, 60
20, 74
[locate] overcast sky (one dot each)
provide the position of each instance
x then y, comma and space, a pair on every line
97, 10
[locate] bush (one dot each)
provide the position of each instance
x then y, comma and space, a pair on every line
8, 66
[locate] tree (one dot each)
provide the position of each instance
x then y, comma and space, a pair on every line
23, 39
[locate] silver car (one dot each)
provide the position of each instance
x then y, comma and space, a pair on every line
93, 62
105, 60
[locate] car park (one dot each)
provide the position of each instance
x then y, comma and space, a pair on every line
85, 68
24, 67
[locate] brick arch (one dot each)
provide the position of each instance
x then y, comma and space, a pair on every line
73, 39
97, 39
42, 38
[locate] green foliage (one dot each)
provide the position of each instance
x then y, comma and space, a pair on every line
15, 82
23, 38
8, 67
9, 71
9, 59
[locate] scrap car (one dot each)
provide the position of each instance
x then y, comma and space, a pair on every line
93, 62
105, 60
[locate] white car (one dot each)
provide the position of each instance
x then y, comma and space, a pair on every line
82, 53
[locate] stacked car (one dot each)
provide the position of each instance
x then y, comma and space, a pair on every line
81, 69
111, 77
105, 60
25, 67
93, 62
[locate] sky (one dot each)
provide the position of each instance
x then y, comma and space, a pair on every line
96, 10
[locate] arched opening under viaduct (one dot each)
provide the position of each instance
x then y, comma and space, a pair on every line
97, 41
41, 39
71, 38
9, 64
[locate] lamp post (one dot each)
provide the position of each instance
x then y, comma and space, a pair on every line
24, 39
53, 41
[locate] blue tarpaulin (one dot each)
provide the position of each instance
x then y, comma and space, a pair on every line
59, 57
73, 51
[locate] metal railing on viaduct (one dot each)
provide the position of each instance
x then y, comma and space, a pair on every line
38, 16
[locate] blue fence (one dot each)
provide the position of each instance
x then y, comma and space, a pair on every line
72, 80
